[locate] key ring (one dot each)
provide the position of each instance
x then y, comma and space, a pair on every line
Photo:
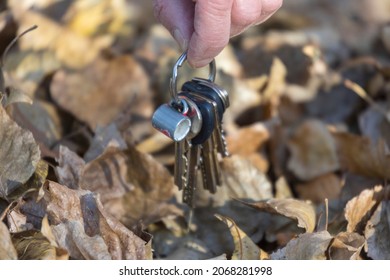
173, 81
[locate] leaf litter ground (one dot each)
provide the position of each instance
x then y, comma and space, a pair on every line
83, 175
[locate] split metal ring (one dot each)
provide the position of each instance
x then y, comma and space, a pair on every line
173, 81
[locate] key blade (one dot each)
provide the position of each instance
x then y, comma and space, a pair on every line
208, 164
181, 163
192, 171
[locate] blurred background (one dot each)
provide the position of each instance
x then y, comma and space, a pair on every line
309, 116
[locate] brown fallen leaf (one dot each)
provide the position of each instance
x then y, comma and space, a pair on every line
86, 230
359, 209
244, 247
308, 246
359, 155
248, 142
134, 187
377, 232
318, 189
7, 249
300, 211
19, 155
98, 93
346, 246
313, 151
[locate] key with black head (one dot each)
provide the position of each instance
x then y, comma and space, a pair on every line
200, 149
215, 93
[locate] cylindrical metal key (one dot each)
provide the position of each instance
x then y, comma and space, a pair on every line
170, 122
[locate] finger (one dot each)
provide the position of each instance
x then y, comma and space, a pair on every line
245, 13
178, 17
211, 31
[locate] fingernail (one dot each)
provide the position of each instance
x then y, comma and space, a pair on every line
183, 43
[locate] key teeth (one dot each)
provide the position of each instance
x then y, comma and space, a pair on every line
225, 148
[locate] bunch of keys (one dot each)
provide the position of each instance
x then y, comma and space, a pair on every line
193, 119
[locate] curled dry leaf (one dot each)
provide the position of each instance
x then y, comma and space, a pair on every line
313, 151
346, 246
98, 93
7, 249
19, 155
86, 230
359, 209
308, 246
359, 155
377, 233
244, 247
295, 209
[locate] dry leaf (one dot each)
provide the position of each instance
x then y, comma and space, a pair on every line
7, 249
244, 247
377, 233
301, 211
70, 168
359, 209
346, 246
133, 186
359, 155
326, 186
308, 246
248, 141
19, 155
83, 227
70, 48
241, 180
33, 245
313, 151
98, 93
104, 137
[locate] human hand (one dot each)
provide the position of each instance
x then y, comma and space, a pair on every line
204, 27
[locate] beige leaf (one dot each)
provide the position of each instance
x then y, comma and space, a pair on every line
19, 155
377, 233
244, 247
327, 186
308, 246
313, 151
359, 209
86, 230
346, 246
7, 249
298, 210
98, 93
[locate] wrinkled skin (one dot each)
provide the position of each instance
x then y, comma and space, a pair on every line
204, 27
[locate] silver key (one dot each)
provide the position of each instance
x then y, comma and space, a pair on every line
181, 163
192, 171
